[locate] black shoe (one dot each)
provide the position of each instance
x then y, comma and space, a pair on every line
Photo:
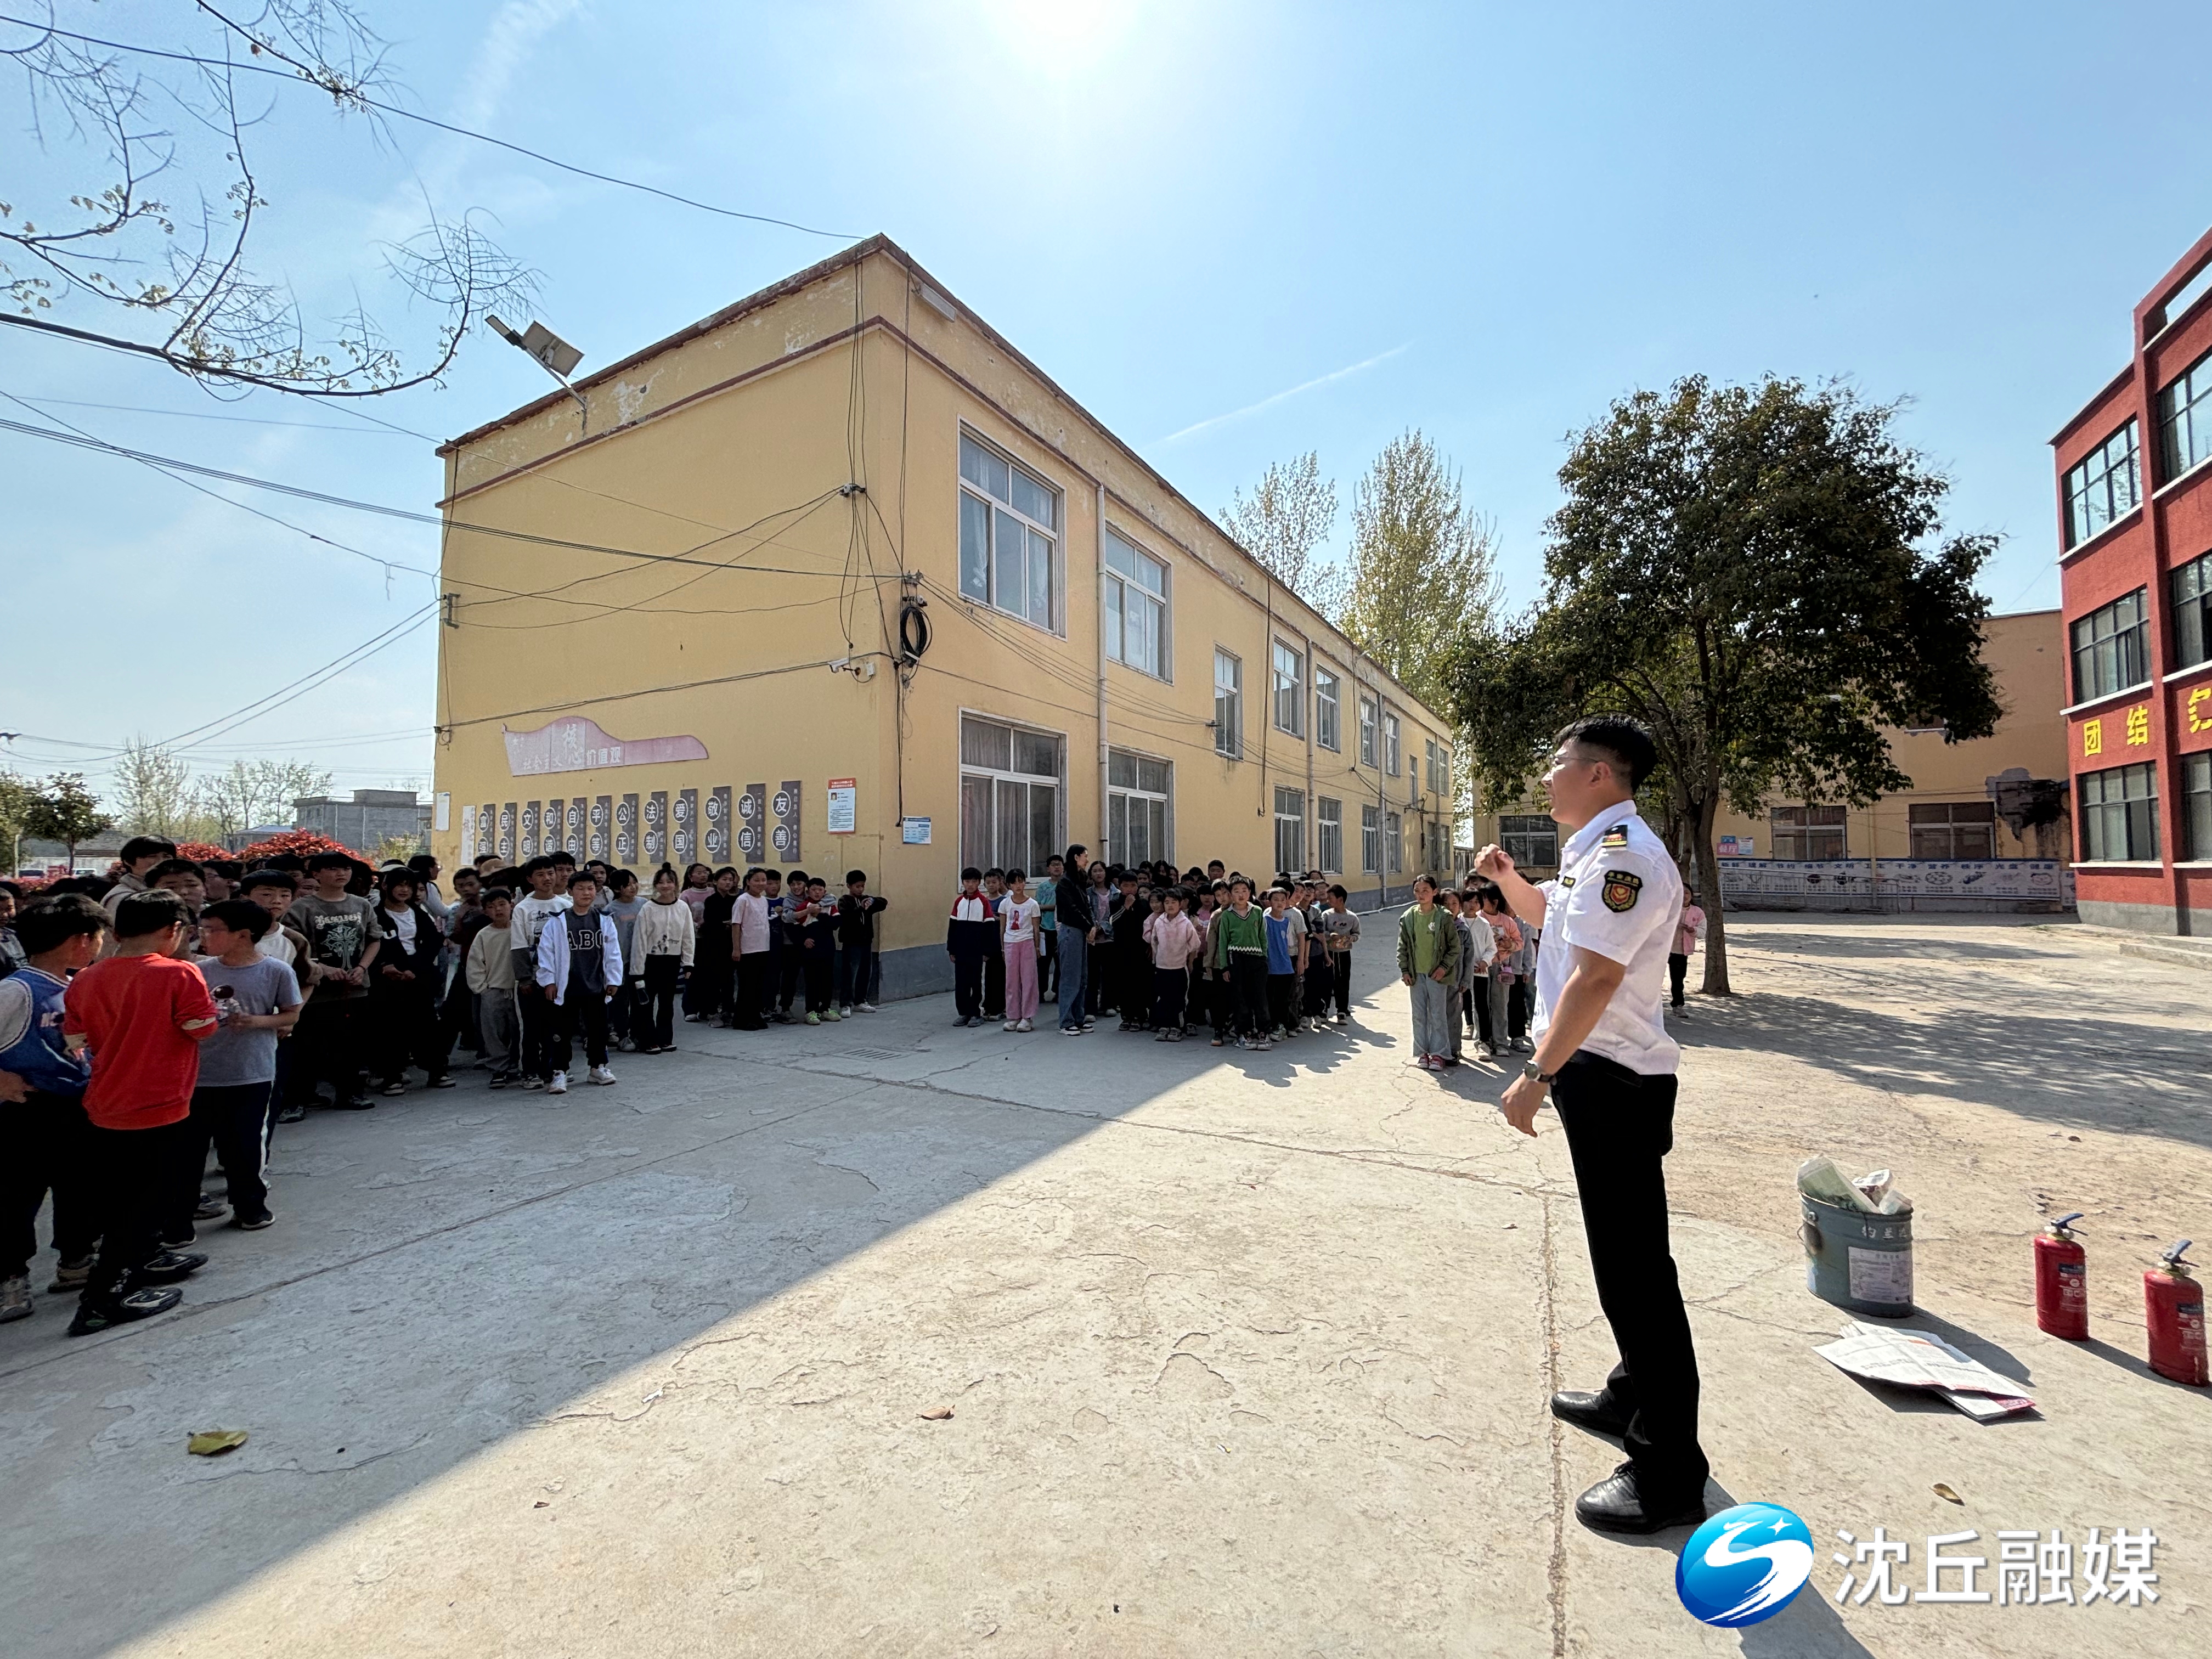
1589, 1411
1619, 1503
212, 1207
353, 1103
293, 1113
167, 1268
254, 1224
182, 1241
442, 1081
122, 1309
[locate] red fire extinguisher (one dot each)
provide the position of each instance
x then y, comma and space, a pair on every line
2174, 1308
2061, 1281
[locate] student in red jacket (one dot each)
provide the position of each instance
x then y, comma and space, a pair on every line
142, 1014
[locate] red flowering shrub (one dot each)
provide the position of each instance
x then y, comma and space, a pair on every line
303, 843
200, 852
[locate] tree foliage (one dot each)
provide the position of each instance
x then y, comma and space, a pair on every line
1759, 573
250, 792
67, 811
1283, 522
1423, 565
154, 220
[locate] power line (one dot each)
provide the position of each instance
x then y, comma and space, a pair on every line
241, 419
656, 690
208, 731
299, 72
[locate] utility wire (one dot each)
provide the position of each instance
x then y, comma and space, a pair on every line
302, 73
242, 420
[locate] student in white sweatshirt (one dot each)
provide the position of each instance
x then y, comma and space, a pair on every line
489, 970
663, 940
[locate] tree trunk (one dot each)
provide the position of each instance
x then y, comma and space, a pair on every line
1709, 897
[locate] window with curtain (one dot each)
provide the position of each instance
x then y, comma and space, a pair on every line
1009, 535
1290, 689
1390, 745
2119, 814
1394, 843
2111, 648
1137, 797
1009, 795
1328, 698
1291, 830
1328, 833
1136, 600
1953, 829
1371, 841
1367, 725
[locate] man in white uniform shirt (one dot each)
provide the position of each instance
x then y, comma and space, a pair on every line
1604, 1057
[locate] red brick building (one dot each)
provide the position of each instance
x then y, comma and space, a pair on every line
2134, 525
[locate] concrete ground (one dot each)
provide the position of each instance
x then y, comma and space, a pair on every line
1247, 1354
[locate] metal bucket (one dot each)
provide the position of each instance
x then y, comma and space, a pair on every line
1860, 1261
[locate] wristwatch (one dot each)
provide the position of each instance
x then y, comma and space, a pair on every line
1533, 1075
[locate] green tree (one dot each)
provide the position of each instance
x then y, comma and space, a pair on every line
1759, 573
1286, 519
17, 798
250, 793
1423, 565
66, 811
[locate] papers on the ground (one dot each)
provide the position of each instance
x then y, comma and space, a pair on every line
1819, 1178
1920, 1359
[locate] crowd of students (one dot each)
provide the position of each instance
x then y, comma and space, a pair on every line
178, 1008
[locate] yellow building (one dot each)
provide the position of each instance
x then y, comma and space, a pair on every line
2000, 797
836, 578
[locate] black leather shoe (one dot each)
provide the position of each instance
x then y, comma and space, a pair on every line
1589, 1411
169, 1267
1619, 1503
94, 1318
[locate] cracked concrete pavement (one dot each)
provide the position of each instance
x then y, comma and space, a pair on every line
1244, 1353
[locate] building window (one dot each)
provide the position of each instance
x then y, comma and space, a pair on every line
1390, 746
1439, 768
2111, 648
1228, 704
1328, 699
2192, 598
1328, 821
1953, 829
1136, 608
1808, 832
2184, 418
1291, 830
1394, 845
2105, 487
1290, 690
1371, 841
1530, 840
1009, 535
2119, 814
1136, 809
2197, 804
1010, 792
1367, 724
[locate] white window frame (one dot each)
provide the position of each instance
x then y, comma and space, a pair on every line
1117, 851
1370, 723
1328, 709
1393, 749
1055, 560
1530, 839
1124, 591
1293, 687
1394, 842
1295, 815
966, 768
1229, 727
1328, 835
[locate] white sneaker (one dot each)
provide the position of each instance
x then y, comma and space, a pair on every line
1024, 1025
1010, 1025
602, 1076
559, 1085
845, 1011
865, 1007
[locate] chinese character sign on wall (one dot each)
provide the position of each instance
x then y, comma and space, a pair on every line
787, 805
718, 825
656, 825
603, 814
752, 819
685, 832
2093, 738
626, 830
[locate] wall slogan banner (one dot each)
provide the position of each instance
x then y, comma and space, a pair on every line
527, 847
577, 808
468, 830
752, 822
717, 833
656, 826
603, 813
685, 838
787, 805
506, 847
626, 831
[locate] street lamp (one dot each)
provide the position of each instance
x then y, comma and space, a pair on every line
551, 353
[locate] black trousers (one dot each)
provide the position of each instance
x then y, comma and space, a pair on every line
1283, 1001
1678, 967
329, 1047
1170, 985
1619, 1128
584, 1014
656, 1014
855, 968
1478, 993
707, 992
135, 1172
753, 991
539, 1019
49, 1148
1247, 990
1341, 982
786, 977
819, 969
234, 1120
404, 1027
1516, 1009
1136, 966
968, 986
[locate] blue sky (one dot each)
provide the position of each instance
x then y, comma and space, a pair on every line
1486, 222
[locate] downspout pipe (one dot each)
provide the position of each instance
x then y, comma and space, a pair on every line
1099, 597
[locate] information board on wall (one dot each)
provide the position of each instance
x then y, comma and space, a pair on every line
1790, 883
844, 808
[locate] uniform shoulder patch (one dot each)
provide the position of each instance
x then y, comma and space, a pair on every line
1566, 881
1621, 890
1615, 838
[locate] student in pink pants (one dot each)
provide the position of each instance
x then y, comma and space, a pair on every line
1018, 939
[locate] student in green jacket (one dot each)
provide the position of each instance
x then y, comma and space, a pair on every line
1428, 961
1237, 946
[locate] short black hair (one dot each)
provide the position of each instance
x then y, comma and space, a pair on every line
1336, 890
532, 867
174, 868
561, 855
971, 873
229, 869
1245, 882
583, 875
155, 911
329, 861
1215, 864
1622, 741
47, 924
1016, 874
146, 846
423, 864
241, 916
852, 875
621, 877
497, 896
